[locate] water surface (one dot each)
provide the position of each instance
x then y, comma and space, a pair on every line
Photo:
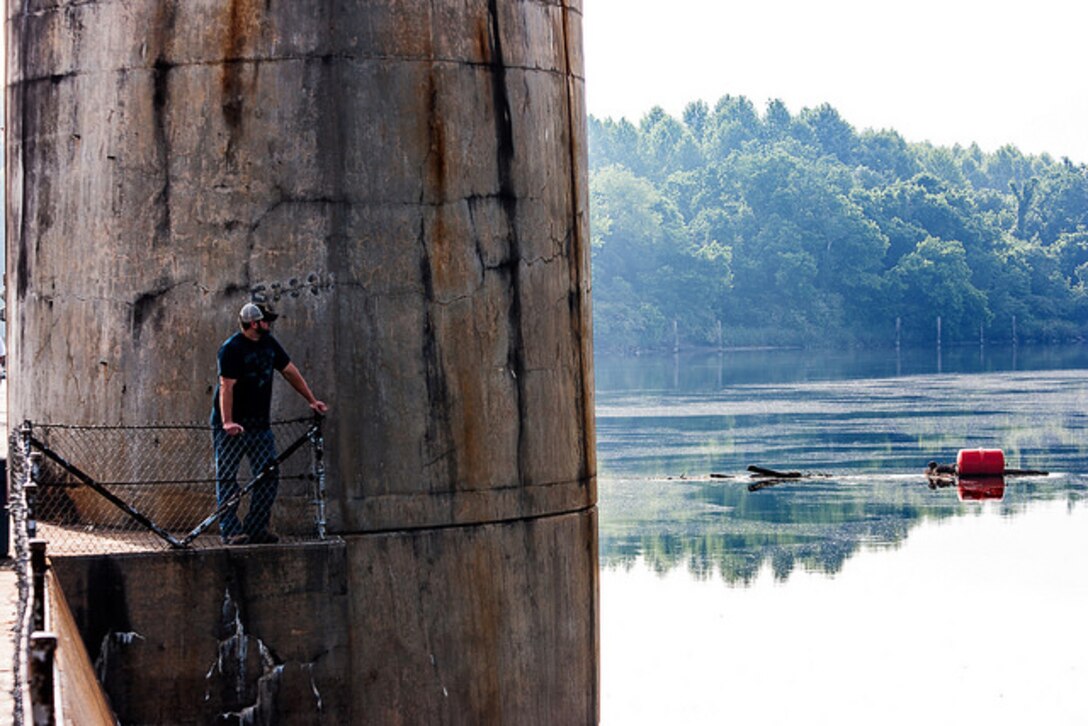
844, 592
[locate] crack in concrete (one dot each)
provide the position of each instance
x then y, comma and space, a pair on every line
51, 299
440, 457
283, 199
55, 78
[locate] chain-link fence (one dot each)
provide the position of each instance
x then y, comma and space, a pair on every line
135, 488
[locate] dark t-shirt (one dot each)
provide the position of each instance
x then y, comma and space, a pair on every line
251, 364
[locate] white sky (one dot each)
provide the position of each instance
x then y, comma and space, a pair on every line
947, 71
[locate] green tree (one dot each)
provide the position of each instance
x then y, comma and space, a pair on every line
613, 142
647, 271
666, 146
833, 134
733, 123
777, 122
1059, 203
799, 229
888, 154
695, 117
935, 280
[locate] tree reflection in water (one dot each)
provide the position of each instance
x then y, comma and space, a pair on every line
720, 528
660, 436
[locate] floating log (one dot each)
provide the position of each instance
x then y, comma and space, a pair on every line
762, 471
933, 469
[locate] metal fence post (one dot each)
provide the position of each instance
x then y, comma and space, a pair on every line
33, 461
38, 566
317, 440
30, 494
43, 645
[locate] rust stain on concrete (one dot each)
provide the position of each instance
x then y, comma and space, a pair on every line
436, 138
242, 25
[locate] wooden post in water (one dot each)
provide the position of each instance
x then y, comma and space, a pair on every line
939, 367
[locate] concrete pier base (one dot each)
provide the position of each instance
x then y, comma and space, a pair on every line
446, 626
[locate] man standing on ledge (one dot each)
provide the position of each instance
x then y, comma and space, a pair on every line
241, 420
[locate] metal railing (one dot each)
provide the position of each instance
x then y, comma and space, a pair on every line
34, 668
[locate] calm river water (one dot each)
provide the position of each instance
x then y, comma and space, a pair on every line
861, 595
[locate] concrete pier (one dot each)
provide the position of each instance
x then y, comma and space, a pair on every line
406, 182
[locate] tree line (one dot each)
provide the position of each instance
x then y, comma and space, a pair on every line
735, 227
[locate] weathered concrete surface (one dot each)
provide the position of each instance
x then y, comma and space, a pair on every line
485, 625
186, 638
406, 179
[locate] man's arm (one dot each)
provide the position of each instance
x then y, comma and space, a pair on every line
292, 375
226, 406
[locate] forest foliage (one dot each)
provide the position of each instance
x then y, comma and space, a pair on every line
779, 228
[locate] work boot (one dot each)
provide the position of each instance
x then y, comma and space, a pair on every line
264, 538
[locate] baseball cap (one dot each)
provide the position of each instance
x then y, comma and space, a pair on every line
252, 312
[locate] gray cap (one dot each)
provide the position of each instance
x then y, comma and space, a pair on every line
250, 313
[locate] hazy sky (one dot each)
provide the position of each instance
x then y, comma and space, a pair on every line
950, 71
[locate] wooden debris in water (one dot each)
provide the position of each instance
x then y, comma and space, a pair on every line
763, 471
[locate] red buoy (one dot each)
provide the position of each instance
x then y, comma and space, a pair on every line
980, 462
981, 488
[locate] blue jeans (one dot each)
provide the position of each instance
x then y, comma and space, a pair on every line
260, 448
